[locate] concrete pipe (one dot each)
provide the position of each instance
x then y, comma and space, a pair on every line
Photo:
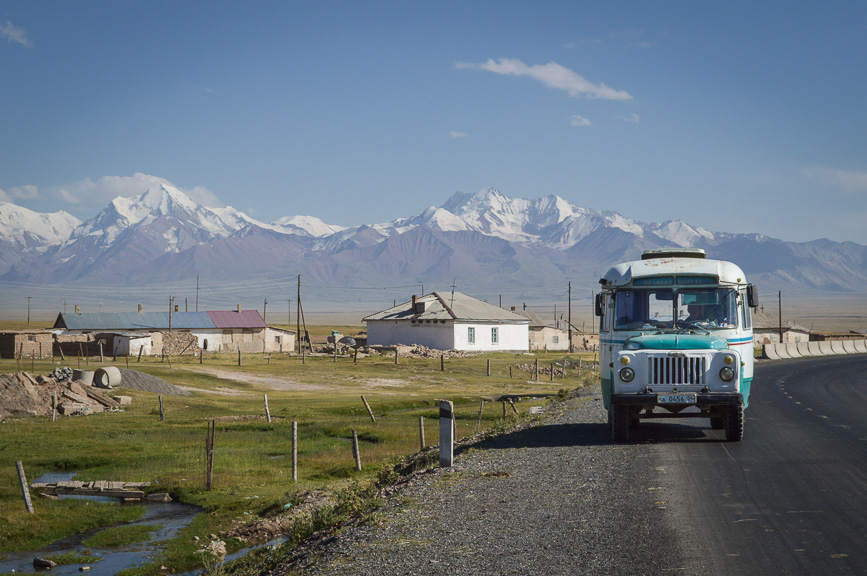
85, 376
107, 377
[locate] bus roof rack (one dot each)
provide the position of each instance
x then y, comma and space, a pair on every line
674, 253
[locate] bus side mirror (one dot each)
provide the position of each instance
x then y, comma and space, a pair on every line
600, 305
752, 296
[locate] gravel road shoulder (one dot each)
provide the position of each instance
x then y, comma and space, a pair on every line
557, 498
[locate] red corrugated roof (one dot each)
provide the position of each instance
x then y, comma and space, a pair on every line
231, 319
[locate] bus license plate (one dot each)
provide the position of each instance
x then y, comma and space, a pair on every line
675, 398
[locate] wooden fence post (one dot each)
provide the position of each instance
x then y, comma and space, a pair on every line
479, 423
442, 362
355, 450
421, 433
25, 491
552, 371
140, 350
395, 355
162, 409
294, 451
489, 366
54, 406
267, 411
447, 434
239, 355
536, 369
369, 411
209, 449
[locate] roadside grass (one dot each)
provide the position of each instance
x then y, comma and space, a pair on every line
252, 458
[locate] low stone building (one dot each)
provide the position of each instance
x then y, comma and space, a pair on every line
26, 343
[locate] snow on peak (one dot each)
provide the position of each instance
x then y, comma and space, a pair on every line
306, 226
16, 222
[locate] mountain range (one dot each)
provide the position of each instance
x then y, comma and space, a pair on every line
487, 242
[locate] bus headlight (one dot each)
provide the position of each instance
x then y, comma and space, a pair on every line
627, 374
726, 374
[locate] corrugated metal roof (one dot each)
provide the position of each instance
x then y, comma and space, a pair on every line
131, 321
232, 319
449, 306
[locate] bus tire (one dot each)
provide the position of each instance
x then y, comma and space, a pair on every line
619, 423
734, 424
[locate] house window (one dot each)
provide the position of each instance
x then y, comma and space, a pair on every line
471, 335
495, 336
556, 339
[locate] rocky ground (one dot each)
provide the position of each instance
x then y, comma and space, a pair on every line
558, 498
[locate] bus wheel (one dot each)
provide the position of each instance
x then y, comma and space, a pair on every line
734, 424
619, 423
717, 423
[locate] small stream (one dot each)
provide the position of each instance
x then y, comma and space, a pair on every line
172, 516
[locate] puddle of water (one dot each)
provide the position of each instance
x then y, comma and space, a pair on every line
173, 516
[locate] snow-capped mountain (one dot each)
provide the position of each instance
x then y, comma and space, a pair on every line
27, 228
23, 231
491, 241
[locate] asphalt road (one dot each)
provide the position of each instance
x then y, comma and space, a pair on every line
792, 497
561, 498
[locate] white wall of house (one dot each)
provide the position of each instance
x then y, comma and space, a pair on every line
130, 345
439, 336
508, 336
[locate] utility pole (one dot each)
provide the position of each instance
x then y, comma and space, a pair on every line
265, 311
570, 317
171, 302
197, 292
780, 302
298, 316
28, 310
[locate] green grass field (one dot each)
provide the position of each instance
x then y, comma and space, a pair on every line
252, 473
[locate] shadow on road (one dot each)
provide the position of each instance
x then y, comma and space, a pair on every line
597, 434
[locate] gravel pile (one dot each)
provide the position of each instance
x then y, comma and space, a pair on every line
135, 380
553, 499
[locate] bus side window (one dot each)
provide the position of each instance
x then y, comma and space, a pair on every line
609, 312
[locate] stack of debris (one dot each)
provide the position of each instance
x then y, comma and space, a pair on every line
21, 394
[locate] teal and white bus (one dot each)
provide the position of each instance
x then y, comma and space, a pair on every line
676, 341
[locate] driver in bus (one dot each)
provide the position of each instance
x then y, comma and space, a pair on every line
701, 313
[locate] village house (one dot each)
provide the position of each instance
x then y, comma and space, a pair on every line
173, 333
449, 321
766, 330
543, 337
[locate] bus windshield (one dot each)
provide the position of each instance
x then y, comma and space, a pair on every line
687, 308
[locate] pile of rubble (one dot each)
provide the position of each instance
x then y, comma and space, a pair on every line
22, 394
419, 351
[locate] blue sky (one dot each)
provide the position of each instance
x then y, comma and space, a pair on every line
733, 116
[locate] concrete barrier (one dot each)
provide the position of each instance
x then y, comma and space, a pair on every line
861, 346
804, 349
837, 347
782, 351
825, 346
815, 349
849, 346
792, 349
769, 351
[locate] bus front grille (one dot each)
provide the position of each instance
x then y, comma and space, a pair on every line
677, 370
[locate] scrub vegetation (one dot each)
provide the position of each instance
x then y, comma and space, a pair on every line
252, 475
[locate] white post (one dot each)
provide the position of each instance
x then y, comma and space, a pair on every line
447, 434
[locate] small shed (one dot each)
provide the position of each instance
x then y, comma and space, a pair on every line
449, 321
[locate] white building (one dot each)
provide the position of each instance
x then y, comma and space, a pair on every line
449, 321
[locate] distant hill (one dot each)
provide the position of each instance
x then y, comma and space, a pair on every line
487, 242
